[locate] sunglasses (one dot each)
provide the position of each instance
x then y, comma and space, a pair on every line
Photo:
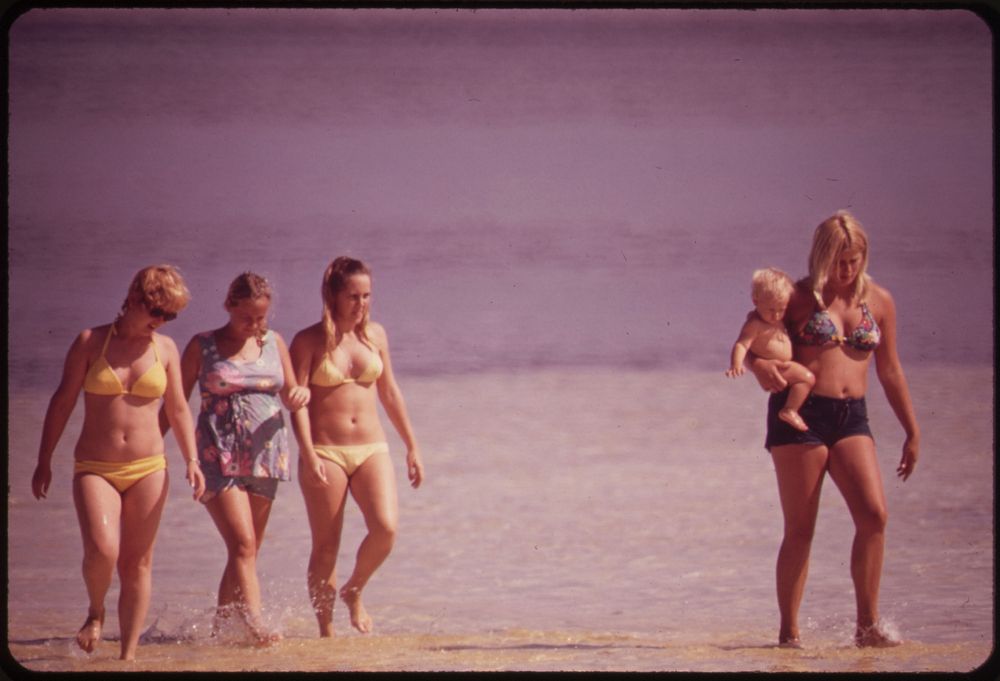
161, 313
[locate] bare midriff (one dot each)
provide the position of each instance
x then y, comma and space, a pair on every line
345, 415
119, 428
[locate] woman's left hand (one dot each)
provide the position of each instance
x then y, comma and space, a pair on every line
298, 397
911, 452
195, 478
414, 468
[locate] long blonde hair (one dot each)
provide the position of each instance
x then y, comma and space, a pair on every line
334, 280
833, 236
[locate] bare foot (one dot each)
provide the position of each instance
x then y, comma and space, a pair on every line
264, 638
792, 418
221, 621
873, 637
790, 642
360, 619
323, 600
90, 633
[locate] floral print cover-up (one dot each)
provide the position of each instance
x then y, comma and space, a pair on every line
241, 429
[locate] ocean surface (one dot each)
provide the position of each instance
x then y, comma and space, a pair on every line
562, 210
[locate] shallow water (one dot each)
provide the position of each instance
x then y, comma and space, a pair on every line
555, 534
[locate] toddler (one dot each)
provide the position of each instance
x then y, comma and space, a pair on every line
764, 335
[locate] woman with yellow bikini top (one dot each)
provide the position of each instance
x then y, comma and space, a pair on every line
125, 369
345, 361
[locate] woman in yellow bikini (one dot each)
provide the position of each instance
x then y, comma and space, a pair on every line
120, 475
345, 361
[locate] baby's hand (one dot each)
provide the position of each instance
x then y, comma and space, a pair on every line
733, 372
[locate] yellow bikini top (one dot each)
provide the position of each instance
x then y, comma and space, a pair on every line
327, 375
102, 380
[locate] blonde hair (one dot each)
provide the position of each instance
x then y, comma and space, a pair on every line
248, 285
771, 281
159, 286
334, 280
838, 233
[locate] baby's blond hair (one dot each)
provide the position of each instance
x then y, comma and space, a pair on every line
770, 281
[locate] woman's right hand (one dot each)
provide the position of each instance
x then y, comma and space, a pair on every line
768, 374
195, 478
298, 397
314, 472
40, 481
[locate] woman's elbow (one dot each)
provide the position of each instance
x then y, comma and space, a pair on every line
62, 401
390, 397
178, 415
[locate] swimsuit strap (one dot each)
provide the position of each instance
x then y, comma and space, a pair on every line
107, 339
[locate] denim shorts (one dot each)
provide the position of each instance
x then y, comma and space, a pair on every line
216, 484
830, 419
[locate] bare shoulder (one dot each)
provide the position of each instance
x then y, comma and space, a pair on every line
377, 334
880, 300
277, 338
753, 324
90, 340
92, 335
800, 304
165, 342
310, 335
194, 343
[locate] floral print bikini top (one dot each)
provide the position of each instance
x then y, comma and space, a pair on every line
820, 330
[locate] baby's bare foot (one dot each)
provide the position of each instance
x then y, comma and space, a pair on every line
792, 418
360, 618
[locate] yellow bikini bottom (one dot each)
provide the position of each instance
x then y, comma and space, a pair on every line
122, 474
350, 457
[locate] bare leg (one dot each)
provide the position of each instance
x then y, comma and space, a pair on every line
260, 511
142, 506
238, 516
800, 470
373, 486
98, 509
854, 469
325, 508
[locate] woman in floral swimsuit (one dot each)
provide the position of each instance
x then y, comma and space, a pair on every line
242, 370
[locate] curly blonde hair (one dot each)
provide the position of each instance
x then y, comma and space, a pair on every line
838, 233
159, 286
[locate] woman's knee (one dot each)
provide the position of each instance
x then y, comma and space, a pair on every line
135, 565
102, 554
242, 548
325, 549
383, 528
872, 519
799, 534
